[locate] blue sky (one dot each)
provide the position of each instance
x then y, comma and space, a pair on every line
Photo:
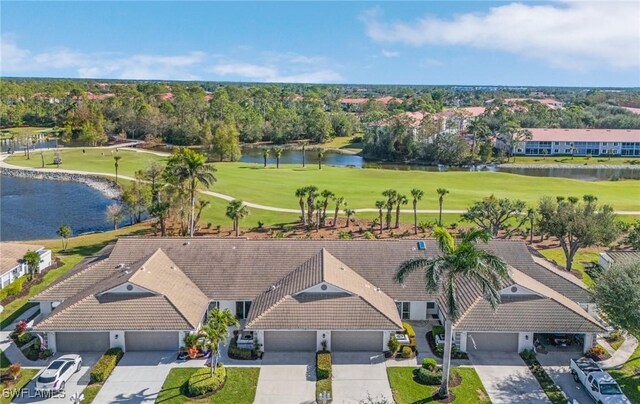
562, 43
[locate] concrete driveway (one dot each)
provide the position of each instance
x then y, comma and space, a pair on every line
507, 378
356, 376
137, 378
75, 384
557, 366
287, 378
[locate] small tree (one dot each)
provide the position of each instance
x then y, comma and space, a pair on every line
339, 202
277, 151
400, 200
577, 224
320, 154
236, 210
632, 238
116, 163
301, 193
32, 260
417, 195
304, 152
265, 156
216, 331
114, 214
349, 212
618, 295
380, 205
493, 214
441, 193
57, 159
392, 197
532, 217
64, 232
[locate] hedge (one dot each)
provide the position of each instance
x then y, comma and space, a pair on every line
409, 330
201, 382
13, 289
323, 365
240, 353
429, 363
105, 365
428, 377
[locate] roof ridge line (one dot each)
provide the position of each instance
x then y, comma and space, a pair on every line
178, 310
377, 309
267, 310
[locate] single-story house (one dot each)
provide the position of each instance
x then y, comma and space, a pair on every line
296, 295
11, 265
608, 258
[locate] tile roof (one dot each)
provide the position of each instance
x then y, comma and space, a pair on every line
584, 135
11, 254
624, 257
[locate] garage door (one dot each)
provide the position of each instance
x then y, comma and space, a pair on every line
82, 341
492, 341
289, 341
356, 341
150, 341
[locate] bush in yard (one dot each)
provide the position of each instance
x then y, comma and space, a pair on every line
528, 355
13, 289
201, 382
240, 353
596, 353
428, 377
323, 365
24, 338
14, 371
429, 363
393, 344
105, 365
406, 352
408, 329
437, 330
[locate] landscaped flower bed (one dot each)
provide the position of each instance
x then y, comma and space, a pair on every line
202, 383
438, 349
323, 373
235, 352
552, 391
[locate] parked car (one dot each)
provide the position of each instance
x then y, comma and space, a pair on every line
56, 375
598, 383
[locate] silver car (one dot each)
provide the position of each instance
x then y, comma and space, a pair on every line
55, 376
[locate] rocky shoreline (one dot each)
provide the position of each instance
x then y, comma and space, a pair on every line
572, 166
101, 184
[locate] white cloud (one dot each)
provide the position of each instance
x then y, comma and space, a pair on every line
270, 73
568, 34
244, 70
390, 54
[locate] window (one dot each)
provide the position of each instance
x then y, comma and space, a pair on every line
431, 305
213, 305
404, 309
242, 309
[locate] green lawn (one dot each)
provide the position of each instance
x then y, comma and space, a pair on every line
576, 160
240, 387
627, 377
22, 130
580, 261
344, 143
78, 248
407, 391
25, 377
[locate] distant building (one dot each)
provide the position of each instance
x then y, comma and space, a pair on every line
608, 258
11, 265
357, 104
580, 142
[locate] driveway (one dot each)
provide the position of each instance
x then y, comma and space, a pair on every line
356, 376
557, 366
75, 384
137, 378
287, 378
507, 378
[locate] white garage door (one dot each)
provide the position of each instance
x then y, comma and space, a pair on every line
151, 341
82, 341
356, 341
492, 341
289, 341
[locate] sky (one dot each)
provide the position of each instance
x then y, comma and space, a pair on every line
526, 43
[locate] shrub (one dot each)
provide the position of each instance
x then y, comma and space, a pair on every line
201, 382
323, 365
429, 363
345, 235
409, 330
24, 338
13, 289
596, 353
104, 366
437, 330
14, 371
393, 344
528, 355
368, 235
428, 377
406, 352
240, 353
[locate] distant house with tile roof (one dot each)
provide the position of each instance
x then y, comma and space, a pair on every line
608, 258
11, 265
580, 142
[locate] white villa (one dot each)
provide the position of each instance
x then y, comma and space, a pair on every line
11, 265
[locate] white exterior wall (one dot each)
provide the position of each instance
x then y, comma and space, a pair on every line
323, 335
51, 341
259, 336
589, 341
515, 290
386, 336
605, 261
318, 289
564, 148
463, 341
181, 335
45, 259
116, 340
525, 341
19, 270
228, 304
418, 310
46, 307
123, 289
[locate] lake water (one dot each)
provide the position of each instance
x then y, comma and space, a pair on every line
34, 209
42, 143
254, 155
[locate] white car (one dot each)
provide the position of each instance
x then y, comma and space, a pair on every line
55, 376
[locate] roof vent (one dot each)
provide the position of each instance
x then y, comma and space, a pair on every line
186, 243
422, 245
120, 266
377, 289
274, 287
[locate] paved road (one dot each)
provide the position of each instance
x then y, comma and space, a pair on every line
287, 378
557, 366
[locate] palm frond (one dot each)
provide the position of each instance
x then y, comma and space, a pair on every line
446, 242
408, 267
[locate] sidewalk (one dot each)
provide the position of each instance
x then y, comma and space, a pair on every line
622, 355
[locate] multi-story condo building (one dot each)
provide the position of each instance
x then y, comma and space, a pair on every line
580, 142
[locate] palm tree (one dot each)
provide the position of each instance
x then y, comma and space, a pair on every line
32, 259
216, 331
312, 193
391, 195
116, 164
417, 195
277, 151
300, 194
457, 262
441, 193
304, 154
188, 165
236, 210
532, 216
349, 212
479, 129
265, 156
324, 203
64, 232
380, 205
320, 154
339, 202
400, 200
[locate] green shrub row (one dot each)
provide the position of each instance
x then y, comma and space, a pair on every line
409, 330
438, 350
105, 365
323, 365
201, 382
244, 354
13, 289
555, 394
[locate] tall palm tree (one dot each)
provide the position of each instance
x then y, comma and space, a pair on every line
380, 205
478, 129
191, 167
320, 154
312, 194
300, 194
265, 156
304, 150
116, 163
236, 210
441, 193
277, 151
391, 195
339, 202
532, 215
216, 331
417, 195
400, 200
324, 204
349, 212
457, 261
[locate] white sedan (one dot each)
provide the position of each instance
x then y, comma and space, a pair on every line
55, 376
